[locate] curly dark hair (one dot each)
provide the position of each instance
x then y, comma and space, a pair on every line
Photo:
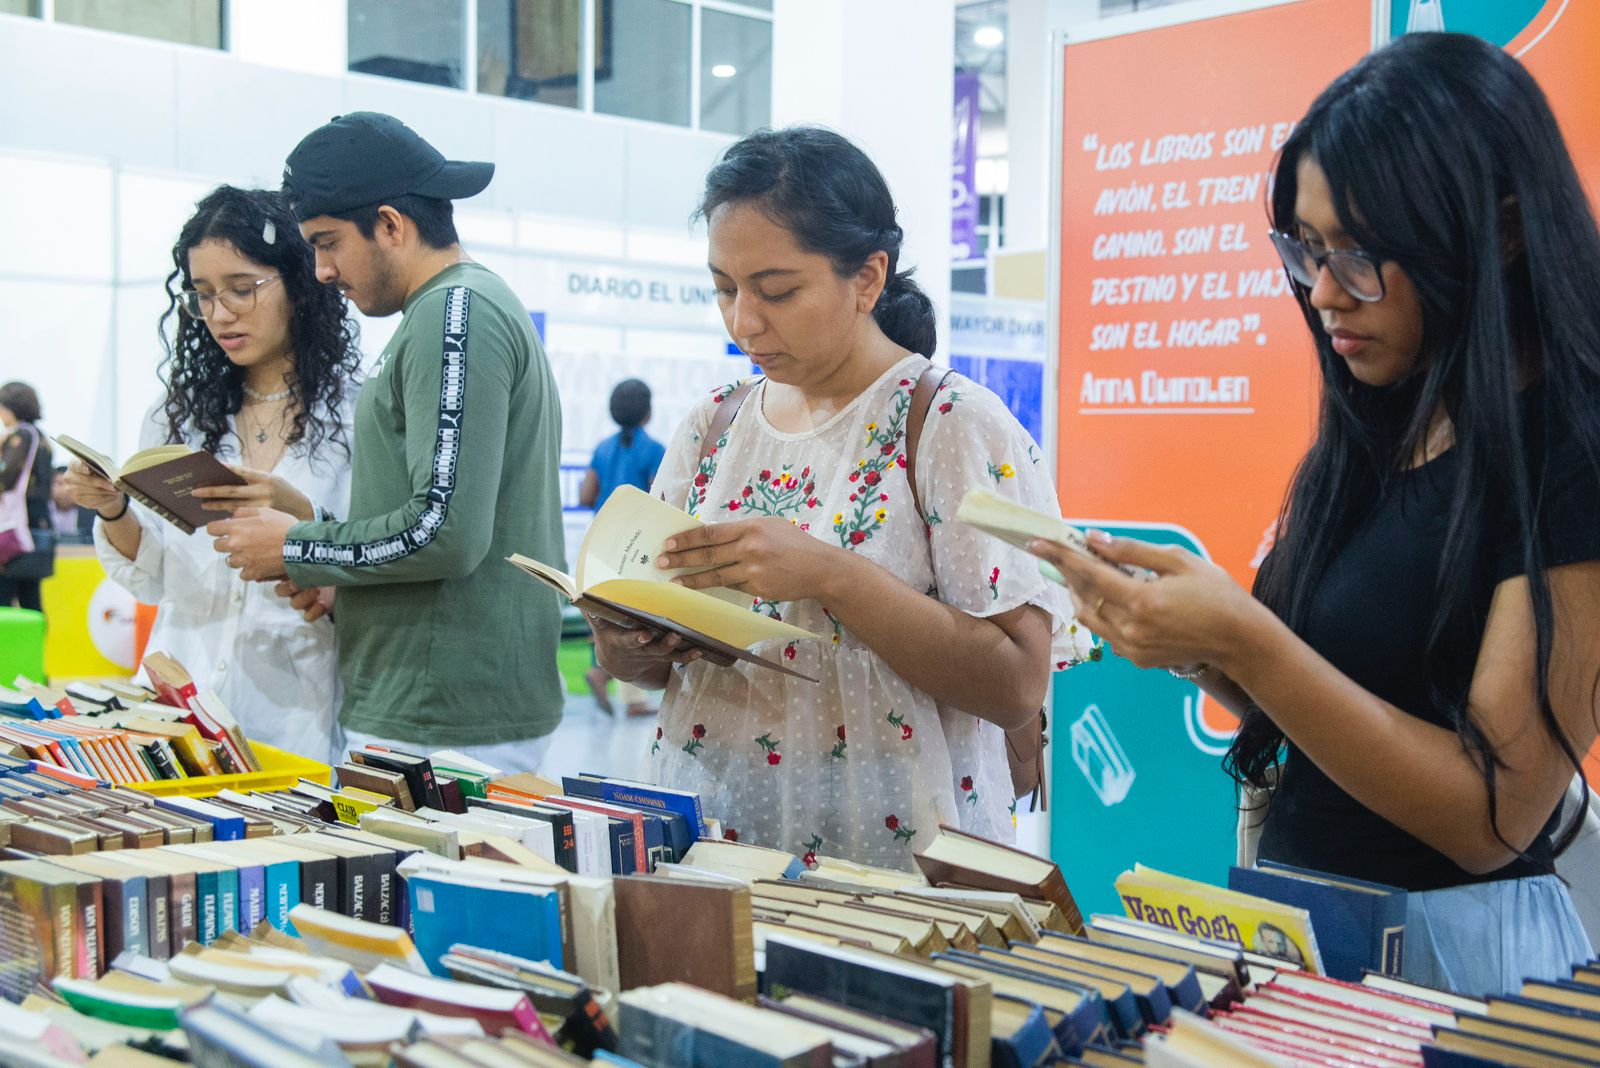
204, 387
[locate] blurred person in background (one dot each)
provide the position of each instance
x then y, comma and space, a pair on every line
25, 463
630, 457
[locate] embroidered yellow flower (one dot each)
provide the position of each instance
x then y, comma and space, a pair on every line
838, 518
872, 426
882, 514
1007, 471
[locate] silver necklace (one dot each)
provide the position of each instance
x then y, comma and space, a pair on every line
258, 396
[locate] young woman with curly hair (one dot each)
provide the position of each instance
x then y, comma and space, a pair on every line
261, 370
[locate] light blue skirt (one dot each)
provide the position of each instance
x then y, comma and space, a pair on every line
1484, 939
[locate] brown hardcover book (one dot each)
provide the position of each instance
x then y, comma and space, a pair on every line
107, 838
162, 479
53, 837
379, 781
673, 930
962, 859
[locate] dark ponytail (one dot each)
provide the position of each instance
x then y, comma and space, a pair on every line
630, 407
833, 199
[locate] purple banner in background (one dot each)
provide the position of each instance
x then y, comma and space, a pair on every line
964, 172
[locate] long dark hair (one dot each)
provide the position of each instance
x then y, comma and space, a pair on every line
204, 387
823, 189
1442, 155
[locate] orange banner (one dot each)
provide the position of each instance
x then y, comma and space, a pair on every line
1188, 380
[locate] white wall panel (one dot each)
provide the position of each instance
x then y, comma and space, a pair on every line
57, 219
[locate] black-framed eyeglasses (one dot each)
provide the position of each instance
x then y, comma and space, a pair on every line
238, 298
1358, 273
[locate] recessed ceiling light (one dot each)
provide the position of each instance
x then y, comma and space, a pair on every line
724, 70
988, 37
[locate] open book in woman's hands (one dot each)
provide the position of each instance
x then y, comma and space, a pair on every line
1017, 524
163, 478
616, 579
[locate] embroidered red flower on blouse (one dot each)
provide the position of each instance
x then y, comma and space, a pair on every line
699, 730
774, 758
840, 732
701, 480
857, 537
892, 822
966, 782
730, 833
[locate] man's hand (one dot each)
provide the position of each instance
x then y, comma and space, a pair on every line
312, 604
253, 542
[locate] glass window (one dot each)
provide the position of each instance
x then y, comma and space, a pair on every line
759, 5
528, 49
418, 40
19, 7
193, 22
735, 72
643, 71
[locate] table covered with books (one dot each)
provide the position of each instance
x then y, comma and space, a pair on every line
174, 893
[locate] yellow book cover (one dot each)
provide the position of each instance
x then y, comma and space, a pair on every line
1206, 911
351, 804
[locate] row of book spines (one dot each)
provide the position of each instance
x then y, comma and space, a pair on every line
125, 757
86, 925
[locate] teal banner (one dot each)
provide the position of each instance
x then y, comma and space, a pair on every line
1137, 772
1496, 20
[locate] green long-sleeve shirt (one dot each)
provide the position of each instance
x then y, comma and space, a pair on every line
457, 448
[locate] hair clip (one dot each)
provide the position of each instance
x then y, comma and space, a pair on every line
269, 232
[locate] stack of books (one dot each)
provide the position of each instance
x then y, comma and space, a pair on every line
120, 733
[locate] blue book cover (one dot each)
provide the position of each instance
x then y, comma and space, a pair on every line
208, 906
1121, 1012
281, 891
607, 1057
642, 795
1185, 993
1029, 1046
524, 921
1358, 925
252, 895
619, 834
228, 900
32, 708
224, 827
667, 836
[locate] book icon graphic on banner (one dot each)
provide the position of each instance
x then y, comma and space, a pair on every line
1099, 756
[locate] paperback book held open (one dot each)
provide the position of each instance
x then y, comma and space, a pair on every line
616, 579
163, 479
1016, 524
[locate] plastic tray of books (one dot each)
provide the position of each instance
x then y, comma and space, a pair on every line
279, 769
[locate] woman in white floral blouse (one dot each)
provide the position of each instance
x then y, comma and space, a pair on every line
935, 638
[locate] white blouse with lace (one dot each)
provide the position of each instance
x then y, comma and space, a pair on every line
860, 765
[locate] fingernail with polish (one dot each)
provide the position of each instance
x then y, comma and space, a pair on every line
661, 562
1051, 572
1099, 537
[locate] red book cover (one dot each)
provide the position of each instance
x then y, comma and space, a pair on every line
494, 1009
1398, 1024
1323, 1041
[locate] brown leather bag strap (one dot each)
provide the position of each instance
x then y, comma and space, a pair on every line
922, 398
723, 419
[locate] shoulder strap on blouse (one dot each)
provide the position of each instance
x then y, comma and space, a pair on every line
723, 419
921, 403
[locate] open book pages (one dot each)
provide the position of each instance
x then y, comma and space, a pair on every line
162, 478
616, 575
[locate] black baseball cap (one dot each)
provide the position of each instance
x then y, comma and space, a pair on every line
366, 157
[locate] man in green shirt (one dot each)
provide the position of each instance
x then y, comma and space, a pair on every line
457, 439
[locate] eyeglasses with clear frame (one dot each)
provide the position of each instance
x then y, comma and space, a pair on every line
1358, 273
238, 299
